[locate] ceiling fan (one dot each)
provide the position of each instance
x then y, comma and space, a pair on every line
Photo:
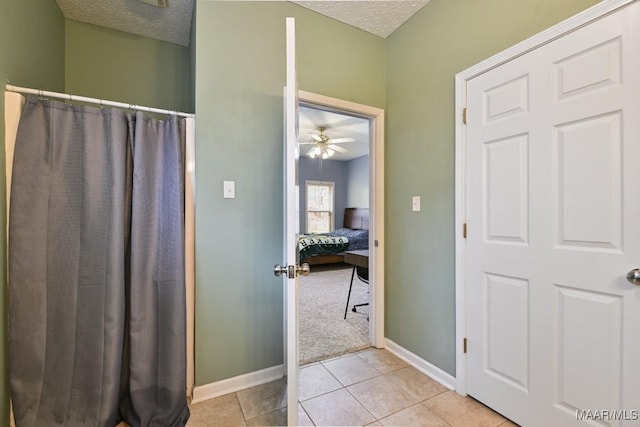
324, 147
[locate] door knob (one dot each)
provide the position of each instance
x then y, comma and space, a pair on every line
303, 269
634, 276
290, 271
278, 270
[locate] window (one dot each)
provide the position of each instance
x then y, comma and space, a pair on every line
319, 206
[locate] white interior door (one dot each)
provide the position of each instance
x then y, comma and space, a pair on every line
291, 225
553, 213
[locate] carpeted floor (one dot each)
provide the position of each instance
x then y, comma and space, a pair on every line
323, 331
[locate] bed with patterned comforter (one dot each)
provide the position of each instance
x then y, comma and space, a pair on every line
336, 242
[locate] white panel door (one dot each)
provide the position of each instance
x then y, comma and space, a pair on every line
553, 213
290, 226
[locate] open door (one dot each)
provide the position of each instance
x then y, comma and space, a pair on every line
291, 270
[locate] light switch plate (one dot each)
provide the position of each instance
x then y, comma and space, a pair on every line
229, 189
415, 203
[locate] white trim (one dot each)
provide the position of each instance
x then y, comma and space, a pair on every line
569, 25
422, 365
460, 242
190, 247
231, 385
376, 201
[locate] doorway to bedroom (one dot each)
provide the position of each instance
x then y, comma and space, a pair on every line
335, 174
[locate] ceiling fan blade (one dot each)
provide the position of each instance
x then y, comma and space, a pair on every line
340, 140
316, 137
306, 142
338, 149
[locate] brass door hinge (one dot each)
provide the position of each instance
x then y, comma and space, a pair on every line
464, 230
464, 115
464, 345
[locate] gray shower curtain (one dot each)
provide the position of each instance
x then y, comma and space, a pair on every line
96, 268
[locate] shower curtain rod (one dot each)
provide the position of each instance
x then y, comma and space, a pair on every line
100, 102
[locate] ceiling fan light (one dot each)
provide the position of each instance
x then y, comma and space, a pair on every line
327, 153
314, 152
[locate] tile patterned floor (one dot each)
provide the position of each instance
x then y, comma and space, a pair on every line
372, 387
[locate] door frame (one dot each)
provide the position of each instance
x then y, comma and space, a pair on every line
376, 200
586, 17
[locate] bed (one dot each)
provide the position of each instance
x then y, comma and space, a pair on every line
329, 248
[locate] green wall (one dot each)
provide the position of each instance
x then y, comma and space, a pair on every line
423, 56
240, 74
32, 55
118, 66
239, 78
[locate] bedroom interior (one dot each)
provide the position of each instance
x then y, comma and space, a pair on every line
334, 219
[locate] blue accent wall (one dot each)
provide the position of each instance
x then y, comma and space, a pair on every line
351, 180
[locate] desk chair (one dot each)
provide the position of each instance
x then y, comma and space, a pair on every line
363, 275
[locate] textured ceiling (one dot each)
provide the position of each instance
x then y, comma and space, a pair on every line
337, 126
170, 24
173, 24
377, 17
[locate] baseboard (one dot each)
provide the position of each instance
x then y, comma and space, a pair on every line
422, 365
230, 385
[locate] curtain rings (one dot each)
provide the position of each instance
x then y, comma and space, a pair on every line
40, 94
70, 100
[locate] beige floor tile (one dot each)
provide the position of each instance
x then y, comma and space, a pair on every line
316, 380
416, 383
221, 411
381, 396
275, 418
338, 408
382, 360
460, 411
350, 369
279, 418
509, 424
375, 423
303, 417
417, 415
263, 399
